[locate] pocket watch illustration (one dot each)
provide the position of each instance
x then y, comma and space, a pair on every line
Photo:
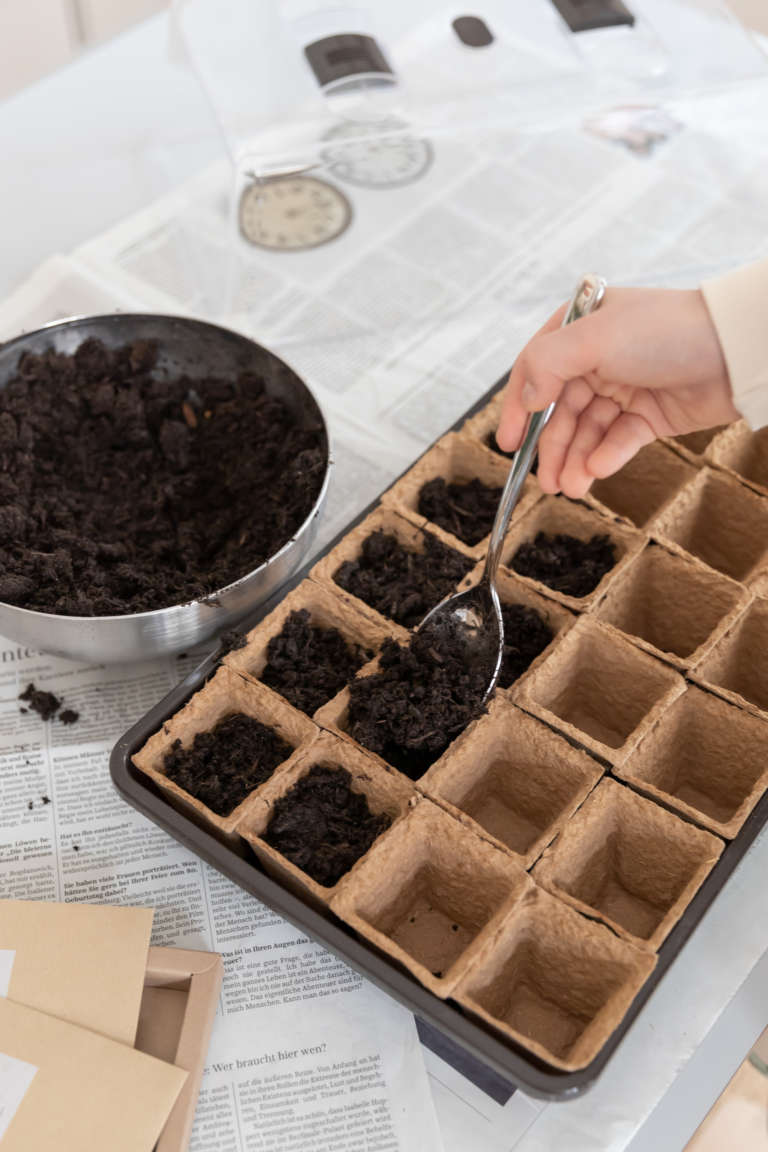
376, 153
291, 213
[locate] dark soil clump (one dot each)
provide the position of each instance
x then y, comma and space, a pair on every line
224, 765
46, 705
424, 695
307, 664
569, 565
232, 640
401, 584
122, 490
526, 635
466, 508
322, 826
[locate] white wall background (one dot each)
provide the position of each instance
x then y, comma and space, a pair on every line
38, 36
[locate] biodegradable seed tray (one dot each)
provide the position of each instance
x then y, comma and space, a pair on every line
521, 901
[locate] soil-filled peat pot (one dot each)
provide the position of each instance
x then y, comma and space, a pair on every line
309, 647
554, 982
639, 490
629, 862
227, 694
737, 666
532, 624
390, 570
705, 758
719, 521
515, 782
323, 835
431, 895
601, 690
410, 704
671, 605
743, 453
575, 580
466, 522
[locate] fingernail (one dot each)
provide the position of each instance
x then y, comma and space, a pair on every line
528, 395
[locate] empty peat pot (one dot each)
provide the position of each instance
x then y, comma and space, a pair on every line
196, 350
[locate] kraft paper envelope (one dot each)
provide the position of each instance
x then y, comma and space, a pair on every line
81, 962
67, 1089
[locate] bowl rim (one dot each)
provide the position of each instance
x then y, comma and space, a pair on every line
211, 598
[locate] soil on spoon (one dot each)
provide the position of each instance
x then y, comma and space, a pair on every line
422, 698
223, 766
322, 826
465, 508
123, 491
308, 664
401, 584
526, 635
569, 565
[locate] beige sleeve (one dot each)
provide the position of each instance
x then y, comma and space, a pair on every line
738, 305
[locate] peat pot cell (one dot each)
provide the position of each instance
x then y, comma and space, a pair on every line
629, 862
203, 758
744, 452
392, 571
532, 623
431, 894
671, 604
516, 781
409, 705
312, 823
694, 444
640, 489
601, 690
309, 647
719, 521
554, 982
737, 667
568, 551
706, 758
455, 490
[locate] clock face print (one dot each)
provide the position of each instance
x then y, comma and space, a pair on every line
289, 213
363, 153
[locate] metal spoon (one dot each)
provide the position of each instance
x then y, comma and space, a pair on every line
475, 616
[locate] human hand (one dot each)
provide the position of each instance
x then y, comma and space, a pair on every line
647, 363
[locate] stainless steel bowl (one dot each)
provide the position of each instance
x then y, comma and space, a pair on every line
196, 349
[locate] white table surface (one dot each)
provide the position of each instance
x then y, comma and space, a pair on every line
99, 140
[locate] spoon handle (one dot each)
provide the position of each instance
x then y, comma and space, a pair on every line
587, 297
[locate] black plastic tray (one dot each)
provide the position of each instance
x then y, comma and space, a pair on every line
513, 1064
